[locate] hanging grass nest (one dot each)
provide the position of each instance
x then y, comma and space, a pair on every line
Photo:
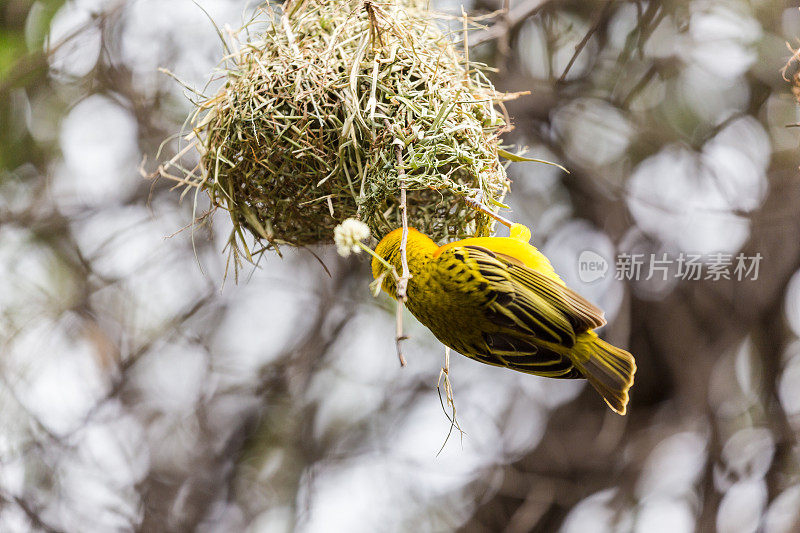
329, 108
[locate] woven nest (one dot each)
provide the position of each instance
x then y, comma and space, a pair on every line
319, 101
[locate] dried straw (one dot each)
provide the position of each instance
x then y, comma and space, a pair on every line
296, 140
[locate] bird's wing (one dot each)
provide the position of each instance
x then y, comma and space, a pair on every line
582, 314
529, 310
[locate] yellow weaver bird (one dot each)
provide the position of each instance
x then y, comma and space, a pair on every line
498, 300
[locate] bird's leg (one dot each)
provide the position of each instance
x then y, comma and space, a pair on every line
448, 387
444, 375
445, 372
476, 202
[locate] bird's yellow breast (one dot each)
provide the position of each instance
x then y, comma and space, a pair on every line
455, 317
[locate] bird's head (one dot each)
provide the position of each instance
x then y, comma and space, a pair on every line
419, 247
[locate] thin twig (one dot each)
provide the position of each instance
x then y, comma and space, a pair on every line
640, 85
515, 16
30, 512
581, 45
477, 203
399, 337
36, 62
466, 45
402, 282
504, 42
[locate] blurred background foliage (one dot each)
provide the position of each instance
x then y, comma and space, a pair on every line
138, 394
23, 28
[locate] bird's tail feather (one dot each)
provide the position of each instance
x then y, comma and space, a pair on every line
609, 369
